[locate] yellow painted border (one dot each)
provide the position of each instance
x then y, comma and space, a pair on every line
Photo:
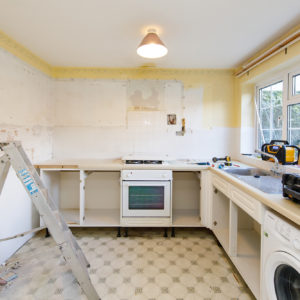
24, 54
190, 77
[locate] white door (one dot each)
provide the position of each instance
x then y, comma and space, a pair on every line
282, 277
146, 198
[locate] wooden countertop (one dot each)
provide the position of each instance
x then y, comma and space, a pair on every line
283, 206
115, 165
276, 202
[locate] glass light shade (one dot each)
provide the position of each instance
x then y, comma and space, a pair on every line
152, 46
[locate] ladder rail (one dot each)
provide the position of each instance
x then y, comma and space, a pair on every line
48, 210
4, 168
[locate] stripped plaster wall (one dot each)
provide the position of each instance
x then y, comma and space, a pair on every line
25, 115
100, 123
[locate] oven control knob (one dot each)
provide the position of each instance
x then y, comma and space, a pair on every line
296, 243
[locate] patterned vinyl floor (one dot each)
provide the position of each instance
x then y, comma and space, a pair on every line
143, 266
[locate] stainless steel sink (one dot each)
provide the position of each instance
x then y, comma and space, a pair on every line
258, 178
248, 172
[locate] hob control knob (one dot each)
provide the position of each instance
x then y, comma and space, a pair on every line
296, 243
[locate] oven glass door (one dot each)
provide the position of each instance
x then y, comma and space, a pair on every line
146, 198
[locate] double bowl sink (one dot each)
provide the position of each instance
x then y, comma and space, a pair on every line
260, 179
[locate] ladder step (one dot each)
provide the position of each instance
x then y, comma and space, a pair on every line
53, 219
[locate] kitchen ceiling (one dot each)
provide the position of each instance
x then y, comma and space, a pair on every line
98, 33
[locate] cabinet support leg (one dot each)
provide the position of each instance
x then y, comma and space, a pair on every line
166, 233
173, 232
125, 232
119, 232
47, 233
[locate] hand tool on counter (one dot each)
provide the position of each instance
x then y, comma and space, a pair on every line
200, 163
203, 163
226, 158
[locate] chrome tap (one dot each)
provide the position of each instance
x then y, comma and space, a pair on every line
276, 170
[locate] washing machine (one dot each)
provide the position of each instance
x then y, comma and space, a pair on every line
280, 268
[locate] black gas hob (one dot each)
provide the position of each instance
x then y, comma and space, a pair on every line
143, 162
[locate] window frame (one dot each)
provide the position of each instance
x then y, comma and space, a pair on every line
287, 99
293, 98
261, 85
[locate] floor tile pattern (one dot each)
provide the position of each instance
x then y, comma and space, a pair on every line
143, 266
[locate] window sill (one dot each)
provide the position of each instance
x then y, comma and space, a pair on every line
258, 162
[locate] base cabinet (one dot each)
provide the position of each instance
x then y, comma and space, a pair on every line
236, 224
220, 217
92, 198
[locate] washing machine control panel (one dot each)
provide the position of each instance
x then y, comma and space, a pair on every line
286, 231
296, 243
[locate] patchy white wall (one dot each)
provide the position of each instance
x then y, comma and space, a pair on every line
26, 115
26, 106
17, 214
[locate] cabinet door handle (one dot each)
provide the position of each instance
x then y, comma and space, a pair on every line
215, 223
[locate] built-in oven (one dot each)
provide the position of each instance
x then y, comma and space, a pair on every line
146, 193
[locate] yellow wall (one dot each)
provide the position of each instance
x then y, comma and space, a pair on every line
245, 85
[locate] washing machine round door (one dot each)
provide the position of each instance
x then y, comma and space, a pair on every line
282, 276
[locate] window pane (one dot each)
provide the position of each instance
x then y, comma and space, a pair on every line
277, 117
276, 135
294, 124
265, 97
296, 84
270, 112
265, 118
266, 134
276, 95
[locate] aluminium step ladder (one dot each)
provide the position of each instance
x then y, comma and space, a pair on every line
16, 157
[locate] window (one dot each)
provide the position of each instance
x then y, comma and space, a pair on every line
278, 110
270, 113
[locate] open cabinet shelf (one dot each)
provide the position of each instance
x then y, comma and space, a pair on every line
71, 216
186, 218
185, 200
247, 260
102, 218
93, 217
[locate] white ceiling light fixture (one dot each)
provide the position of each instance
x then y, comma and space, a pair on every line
152, 46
